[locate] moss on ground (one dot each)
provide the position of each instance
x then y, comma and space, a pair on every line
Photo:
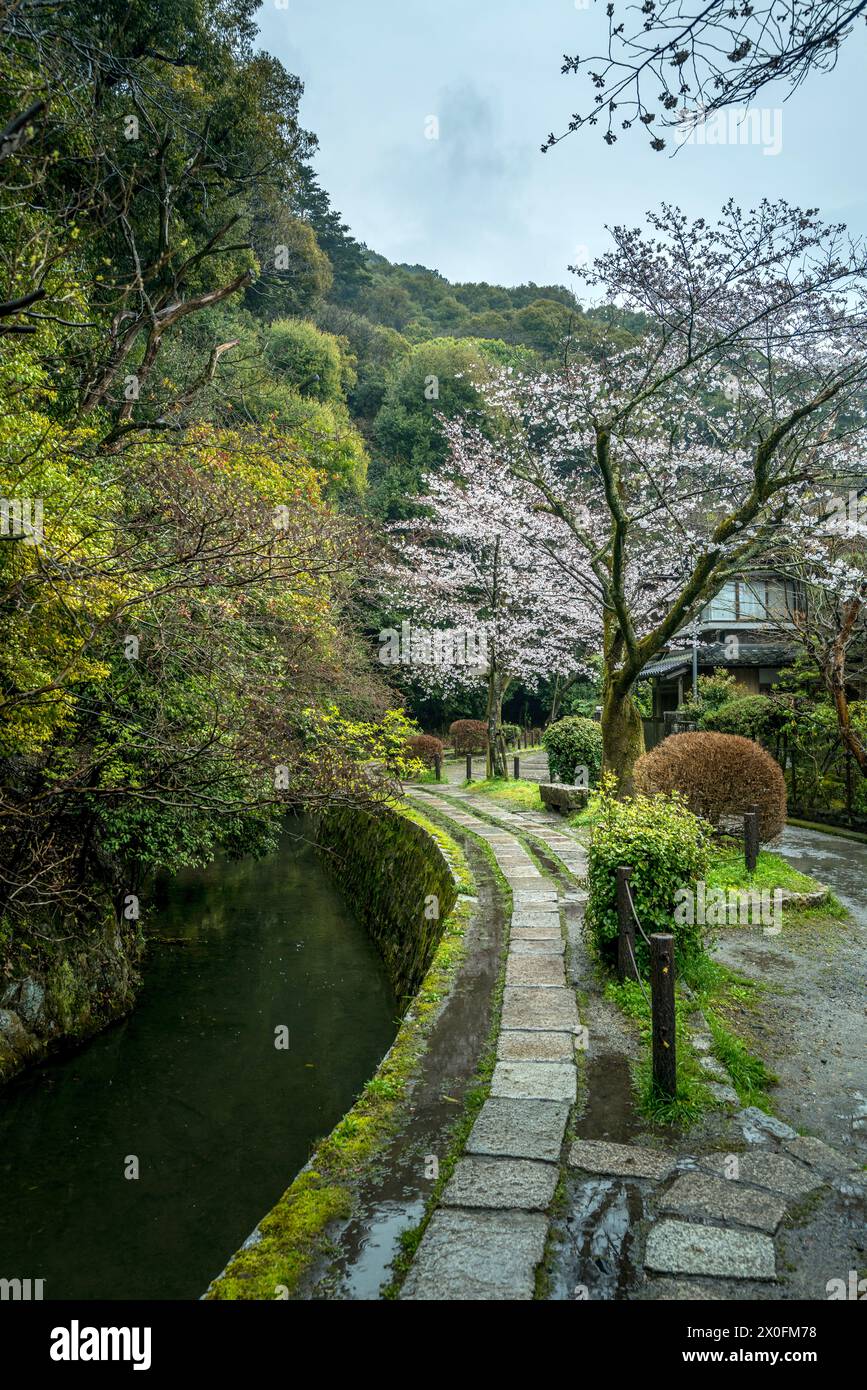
519, 795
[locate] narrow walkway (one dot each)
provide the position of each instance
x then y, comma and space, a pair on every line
488, 1235
746, 1208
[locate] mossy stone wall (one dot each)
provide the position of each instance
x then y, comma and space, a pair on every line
397, 881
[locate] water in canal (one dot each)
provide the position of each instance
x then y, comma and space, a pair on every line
192, 1085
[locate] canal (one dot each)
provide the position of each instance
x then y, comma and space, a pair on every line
191, 1090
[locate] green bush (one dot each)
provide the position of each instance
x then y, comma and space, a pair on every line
573, 742
667, 848
512, 734
759, 717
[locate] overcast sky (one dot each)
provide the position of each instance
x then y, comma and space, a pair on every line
481, 202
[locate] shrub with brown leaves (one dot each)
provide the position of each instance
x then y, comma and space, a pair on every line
721, 776
469, 735
425, 747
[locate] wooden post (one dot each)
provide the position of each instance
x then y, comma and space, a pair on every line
662, 1008
469, 767
751, 840
626, 968
517, 766
438, 767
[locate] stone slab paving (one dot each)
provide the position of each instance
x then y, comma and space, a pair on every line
535, 947
704, 1223
772, 1170
535, 1080
819, 1155
533, 968
488, 1235
621, 1160
720, 1199
478, 1255
534, 1045
520, 1184
678, 1247
539, 1006
511, 1127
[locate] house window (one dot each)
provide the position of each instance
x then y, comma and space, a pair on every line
751, 600
723, 607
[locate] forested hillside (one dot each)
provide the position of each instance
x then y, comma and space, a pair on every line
211, 395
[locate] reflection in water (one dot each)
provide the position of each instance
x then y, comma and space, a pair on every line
192, 1084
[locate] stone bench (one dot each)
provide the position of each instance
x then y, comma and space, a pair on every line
562, 797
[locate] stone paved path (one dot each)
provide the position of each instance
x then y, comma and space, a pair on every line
488, 1235
705, 1225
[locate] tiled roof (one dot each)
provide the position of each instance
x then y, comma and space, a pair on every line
712, 654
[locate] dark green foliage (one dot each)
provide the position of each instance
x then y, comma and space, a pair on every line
760, 717
573, 742
667, 848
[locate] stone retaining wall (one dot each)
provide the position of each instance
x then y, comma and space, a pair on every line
397, 881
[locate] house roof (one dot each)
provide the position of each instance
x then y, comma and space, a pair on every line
713, 654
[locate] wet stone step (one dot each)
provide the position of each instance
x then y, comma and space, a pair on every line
511, 1128
532, 1006
766, 1169
722, 1199
510, 1183
543, 970
537, 948
677, 1247
478, 1256
526, 1045
620, 1160
536, 1080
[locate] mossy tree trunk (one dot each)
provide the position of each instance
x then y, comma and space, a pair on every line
622, 734
497, 762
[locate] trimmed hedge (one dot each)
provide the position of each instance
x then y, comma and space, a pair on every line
426, 748
469, 735
573, 742
667, 848
512, 734
720, 775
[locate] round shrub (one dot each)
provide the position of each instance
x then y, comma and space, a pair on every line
667, 848
573, 742
720, 775
469, 735
512, 734
425, 747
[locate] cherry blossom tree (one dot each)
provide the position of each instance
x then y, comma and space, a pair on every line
668, 468
667, 57
478, 563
